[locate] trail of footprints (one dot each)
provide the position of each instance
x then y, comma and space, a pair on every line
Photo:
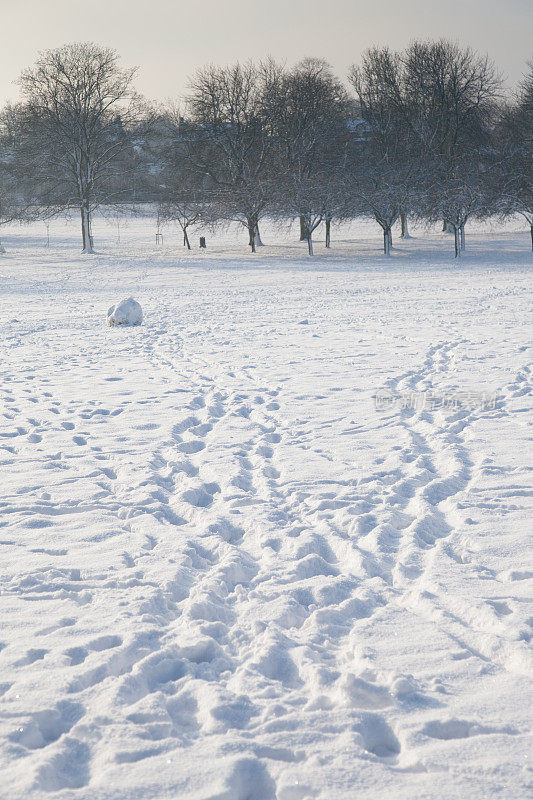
156, 668
367, 544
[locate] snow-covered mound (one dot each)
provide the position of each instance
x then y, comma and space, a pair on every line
127, 312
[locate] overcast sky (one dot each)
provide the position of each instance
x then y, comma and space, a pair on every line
169, 39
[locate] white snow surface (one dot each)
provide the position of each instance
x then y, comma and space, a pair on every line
127, 312
228, 572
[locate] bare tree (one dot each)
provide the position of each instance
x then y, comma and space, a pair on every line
306, 109
448, 96
514, 142
244, 204
9, 202
306, 199
77, 107
458, 196
187, 208
228, 149
380, 189
383, 172
179, 188
379, 83
16, 202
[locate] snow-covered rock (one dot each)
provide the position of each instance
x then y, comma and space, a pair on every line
127, 312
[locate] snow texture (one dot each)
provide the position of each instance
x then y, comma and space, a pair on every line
245, 558
127, 312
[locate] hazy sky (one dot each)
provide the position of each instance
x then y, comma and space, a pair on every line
169, 39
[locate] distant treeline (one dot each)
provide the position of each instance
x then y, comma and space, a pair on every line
427, 134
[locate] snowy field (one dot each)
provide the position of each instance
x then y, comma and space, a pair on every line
272, 543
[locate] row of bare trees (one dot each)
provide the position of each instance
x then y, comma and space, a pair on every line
424, 134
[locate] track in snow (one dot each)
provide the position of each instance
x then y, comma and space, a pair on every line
217, 566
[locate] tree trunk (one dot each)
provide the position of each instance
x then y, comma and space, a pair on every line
3, 249
310, 242
258, 241
531, 237
84, 234
386, 241
390, 240
328, 232
186, 239
462, 231
303, 232
405, 230
251, 225
457, 241
86, 230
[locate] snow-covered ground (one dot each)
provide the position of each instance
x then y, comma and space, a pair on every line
272, 543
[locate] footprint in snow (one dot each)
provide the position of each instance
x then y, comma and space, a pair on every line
202, 496
67, 769
194, 446
264, 451
48, 726
377, 736
197, 402
77, 655
106, 642
501, 609
459, 729
31, 657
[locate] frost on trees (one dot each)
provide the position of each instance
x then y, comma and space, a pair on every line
127, 312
